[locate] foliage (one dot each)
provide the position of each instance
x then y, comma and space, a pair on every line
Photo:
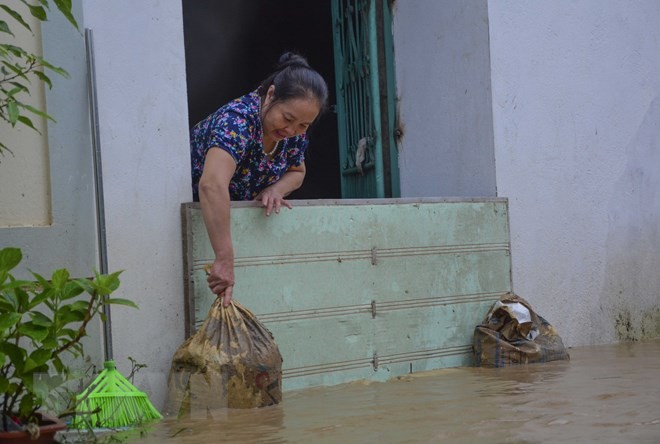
19, 67
41, 320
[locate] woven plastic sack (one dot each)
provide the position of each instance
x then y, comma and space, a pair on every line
513, 333
232, 361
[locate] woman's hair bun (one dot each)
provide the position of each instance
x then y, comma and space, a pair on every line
294, 78
291, 59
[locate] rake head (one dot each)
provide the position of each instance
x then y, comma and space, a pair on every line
112, 401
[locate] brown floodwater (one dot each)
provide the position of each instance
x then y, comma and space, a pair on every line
605, 394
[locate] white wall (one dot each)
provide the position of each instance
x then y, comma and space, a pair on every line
576, 105
141, 87
68, 239
444, 101
576, 112
24, 173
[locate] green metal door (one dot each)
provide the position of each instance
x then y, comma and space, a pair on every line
364, 71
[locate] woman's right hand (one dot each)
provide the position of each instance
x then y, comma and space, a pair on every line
221, 279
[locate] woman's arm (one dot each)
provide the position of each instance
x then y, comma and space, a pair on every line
272, 198
214, 198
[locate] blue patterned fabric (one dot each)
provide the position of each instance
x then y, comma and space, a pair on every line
236, 128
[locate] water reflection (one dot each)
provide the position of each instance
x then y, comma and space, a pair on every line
605, 394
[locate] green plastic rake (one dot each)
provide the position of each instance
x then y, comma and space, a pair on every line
111, 400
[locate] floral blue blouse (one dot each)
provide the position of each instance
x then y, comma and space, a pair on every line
236, 128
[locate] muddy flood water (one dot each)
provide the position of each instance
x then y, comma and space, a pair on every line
605, 394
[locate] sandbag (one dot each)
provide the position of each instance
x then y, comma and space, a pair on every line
232, 361
513, 333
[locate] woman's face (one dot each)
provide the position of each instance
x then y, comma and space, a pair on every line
289, 118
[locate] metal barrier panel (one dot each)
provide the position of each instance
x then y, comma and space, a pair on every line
360, 289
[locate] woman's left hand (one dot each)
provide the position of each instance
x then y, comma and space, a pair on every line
272, 200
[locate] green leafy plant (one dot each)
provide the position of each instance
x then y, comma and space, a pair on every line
18, 67
41, 320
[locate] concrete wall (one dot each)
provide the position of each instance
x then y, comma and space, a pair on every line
68, 238
140, 69
24, 173
576, 105
443, 85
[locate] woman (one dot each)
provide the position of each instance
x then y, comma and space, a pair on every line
254, 148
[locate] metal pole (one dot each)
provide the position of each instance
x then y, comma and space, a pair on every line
98, 183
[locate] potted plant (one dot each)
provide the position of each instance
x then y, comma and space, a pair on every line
41, 322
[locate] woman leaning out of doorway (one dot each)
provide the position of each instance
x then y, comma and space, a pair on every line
253, 148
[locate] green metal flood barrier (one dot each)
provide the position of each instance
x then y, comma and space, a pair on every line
360, 289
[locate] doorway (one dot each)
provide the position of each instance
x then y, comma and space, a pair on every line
231, 45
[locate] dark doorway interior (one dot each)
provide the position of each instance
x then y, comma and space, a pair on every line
231, 45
